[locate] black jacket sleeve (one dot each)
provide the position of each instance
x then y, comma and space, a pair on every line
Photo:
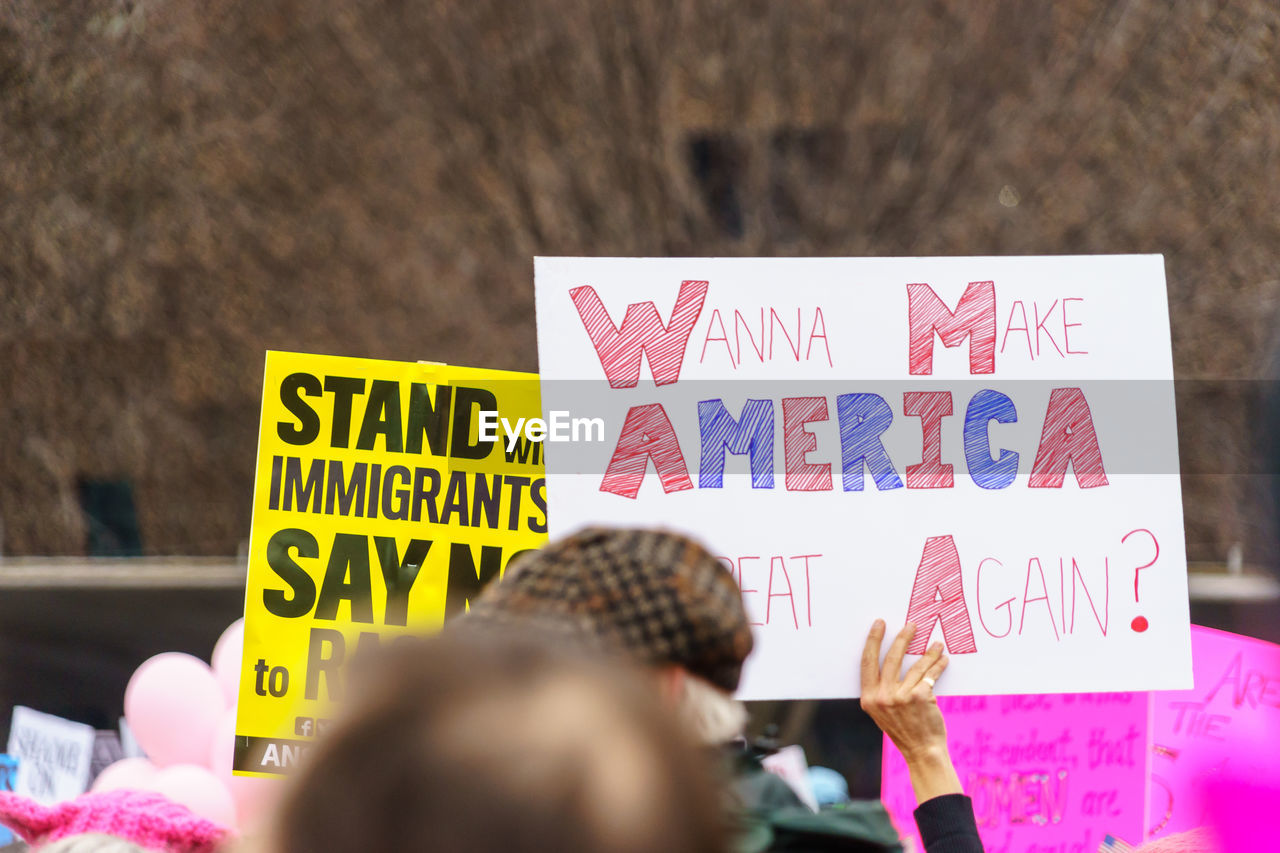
947, 825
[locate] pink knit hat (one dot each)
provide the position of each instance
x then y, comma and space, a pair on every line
147, 819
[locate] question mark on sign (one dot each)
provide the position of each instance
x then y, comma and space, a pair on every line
1139, 623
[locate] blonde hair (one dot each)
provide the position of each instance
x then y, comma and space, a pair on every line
709, 714
1191, 841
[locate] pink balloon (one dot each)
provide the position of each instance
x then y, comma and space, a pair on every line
254, 796
126, 774
172, 705
197, 789
226, 660
222, 747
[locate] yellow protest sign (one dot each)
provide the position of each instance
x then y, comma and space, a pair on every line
380, 508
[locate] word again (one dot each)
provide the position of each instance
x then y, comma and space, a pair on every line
1033, 594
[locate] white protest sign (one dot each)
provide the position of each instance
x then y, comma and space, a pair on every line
986, 446
53, 755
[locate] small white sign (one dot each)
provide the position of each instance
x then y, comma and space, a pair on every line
54, 755
790, 765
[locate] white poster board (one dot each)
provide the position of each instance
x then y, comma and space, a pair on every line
53, 755
985, 444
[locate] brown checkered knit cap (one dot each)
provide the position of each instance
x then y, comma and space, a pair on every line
654, 596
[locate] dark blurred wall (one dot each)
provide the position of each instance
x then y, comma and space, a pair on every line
186, 184
70, 652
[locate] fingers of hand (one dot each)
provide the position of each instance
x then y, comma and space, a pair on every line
923, 693
880, 705
936, 669
871, 657
921, 667
893, 661
923, 689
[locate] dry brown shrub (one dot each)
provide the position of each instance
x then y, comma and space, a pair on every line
186, 184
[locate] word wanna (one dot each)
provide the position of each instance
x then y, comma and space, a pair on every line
768, 334
559, 427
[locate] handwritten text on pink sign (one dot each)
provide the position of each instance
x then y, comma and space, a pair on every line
1046, 773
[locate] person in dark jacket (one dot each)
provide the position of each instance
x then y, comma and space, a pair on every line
661, 600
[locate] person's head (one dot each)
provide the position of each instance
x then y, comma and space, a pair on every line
654, 597
1191, 841
486, 742
111, 821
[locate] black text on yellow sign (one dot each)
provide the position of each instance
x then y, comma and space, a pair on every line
379, 511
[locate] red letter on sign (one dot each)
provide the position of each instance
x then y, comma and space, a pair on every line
797, 442
974, 318
930, 407
642, 331
938, 594
1068, 438
647, 432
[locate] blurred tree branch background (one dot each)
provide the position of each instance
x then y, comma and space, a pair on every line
186, 184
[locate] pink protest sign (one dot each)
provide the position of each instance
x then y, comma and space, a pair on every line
1047, 773
1218, 738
